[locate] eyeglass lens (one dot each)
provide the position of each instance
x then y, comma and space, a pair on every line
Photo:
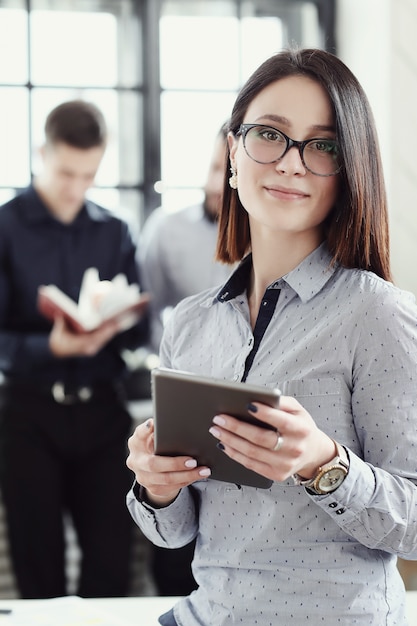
265, 144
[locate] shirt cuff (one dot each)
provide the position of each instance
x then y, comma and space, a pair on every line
353, 495
139, 492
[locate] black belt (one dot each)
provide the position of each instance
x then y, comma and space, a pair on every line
64, 393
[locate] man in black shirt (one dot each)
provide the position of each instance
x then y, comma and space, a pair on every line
63, 421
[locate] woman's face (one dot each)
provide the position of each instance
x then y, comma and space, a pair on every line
284, 196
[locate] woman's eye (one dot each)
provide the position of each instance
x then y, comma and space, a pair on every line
324, 146
272, 135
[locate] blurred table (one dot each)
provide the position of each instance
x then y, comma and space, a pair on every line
119, 611
85, 612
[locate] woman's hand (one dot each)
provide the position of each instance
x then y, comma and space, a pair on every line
301, 449
162, 476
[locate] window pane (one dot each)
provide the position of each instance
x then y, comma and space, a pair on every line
6, 195
122, 21
310, 27
14, 133
260, 39
129, 42
189, 125
130, 114
191, 59
13, 46
243, 43
73, 48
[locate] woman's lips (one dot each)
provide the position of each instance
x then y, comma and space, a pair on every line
284, 193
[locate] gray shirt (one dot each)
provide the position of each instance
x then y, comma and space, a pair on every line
176, 258
344, 343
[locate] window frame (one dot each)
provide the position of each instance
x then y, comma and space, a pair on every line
147, 13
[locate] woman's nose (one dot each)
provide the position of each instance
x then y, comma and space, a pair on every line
291, 163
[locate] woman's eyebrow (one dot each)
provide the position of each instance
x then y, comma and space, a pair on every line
280, 119
324, 127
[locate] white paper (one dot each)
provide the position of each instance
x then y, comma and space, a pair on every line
67, 611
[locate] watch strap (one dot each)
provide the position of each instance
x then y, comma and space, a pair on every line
341, 458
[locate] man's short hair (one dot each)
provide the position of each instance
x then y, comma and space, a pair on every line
77, 123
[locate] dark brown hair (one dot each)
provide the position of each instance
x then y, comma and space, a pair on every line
76, 123
357, 229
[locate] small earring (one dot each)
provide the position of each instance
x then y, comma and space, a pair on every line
233, 178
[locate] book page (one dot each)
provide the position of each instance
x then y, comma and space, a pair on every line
99, 301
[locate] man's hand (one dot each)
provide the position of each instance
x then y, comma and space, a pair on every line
64, 342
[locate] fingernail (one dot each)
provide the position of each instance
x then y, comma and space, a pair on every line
205, 472
252, 408
220, 421
190, 463
148, 424
220, 446
215, 432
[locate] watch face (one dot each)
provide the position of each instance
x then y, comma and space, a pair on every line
331, 479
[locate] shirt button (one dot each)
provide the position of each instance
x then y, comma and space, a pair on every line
236, 377
340, 511
333, 505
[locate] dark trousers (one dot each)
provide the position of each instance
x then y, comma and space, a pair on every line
57, 459
171, 570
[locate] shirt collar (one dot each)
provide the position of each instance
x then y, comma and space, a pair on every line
35, 210
307, 279
238, 281
310, 276
32, 207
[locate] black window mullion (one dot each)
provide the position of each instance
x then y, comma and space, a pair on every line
151, 104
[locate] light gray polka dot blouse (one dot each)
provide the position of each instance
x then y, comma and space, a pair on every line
344, 343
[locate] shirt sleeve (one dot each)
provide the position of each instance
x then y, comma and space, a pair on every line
138, 335
377, 509
153, 271
172, 526
377, 502
20, 352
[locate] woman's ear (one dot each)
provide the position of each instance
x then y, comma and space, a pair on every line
233, 143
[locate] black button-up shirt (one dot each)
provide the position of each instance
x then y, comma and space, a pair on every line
36, 249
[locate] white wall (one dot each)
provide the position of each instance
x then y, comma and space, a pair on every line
377, 41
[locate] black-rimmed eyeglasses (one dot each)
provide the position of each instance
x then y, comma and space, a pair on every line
266, 144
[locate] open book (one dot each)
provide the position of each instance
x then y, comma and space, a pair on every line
99, 302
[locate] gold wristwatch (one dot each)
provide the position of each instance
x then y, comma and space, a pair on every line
329, 476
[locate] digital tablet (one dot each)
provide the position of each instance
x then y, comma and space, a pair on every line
184, 405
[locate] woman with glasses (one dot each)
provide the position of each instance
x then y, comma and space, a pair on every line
311, 310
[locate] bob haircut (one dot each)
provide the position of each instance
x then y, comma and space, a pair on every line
357, 231
77, 123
